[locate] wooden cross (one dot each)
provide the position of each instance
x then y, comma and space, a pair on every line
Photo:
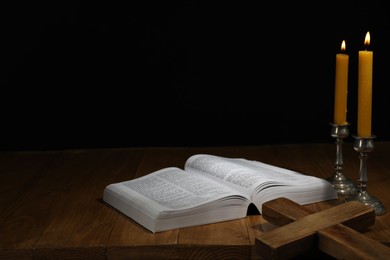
333, 231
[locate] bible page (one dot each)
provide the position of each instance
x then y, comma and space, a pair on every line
173, 189
244, 175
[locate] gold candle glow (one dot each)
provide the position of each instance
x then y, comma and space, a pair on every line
365, 90
341, 86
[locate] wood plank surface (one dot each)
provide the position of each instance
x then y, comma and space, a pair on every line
50, 201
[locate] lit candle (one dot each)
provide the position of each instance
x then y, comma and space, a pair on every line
341, 87
365, 90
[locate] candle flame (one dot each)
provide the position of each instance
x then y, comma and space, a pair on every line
367, 39
343, 46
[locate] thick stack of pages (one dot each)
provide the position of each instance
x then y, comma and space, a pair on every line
210, 189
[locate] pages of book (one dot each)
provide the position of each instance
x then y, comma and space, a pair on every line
210, 189
173, 193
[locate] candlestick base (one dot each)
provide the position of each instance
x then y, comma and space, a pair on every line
366, 198
343, 185
365, 145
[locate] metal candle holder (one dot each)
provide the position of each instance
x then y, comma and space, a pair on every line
343, 185
365, 145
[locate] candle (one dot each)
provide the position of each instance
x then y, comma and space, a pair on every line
341, 87
365, 90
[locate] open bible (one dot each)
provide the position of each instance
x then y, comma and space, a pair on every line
210, 189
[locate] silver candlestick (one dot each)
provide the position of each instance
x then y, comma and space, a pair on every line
343, 185
364, 145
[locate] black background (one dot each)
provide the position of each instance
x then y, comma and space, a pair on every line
87, 74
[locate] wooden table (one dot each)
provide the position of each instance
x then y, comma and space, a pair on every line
50, 203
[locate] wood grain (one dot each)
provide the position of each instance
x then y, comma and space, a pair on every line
299, 236
50, 201
341, 241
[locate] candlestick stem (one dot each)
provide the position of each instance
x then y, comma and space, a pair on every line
343, 185
364, 145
